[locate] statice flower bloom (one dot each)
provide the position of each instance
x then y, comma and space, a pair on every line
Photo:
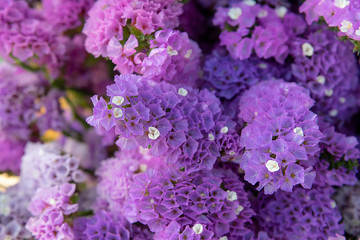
173, 57
43, 165
65, 15
14, 213
328, 68
173, 204
108, 19
229, 77
343, 14
24, 103
339, 158
302, 214
180, 124
280, 135
348, 200
50, 206
101, 226
27, 36
116, 175
249, 26
11, 153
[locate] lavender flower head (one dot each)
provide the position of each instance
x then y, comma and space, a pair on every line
156, 116
174, 204
43, 165
302, 214
231, 77
65, 15
101, 226
343, 14
116, 175
27, 36
280, 135
50, 206
249, 26
328, 68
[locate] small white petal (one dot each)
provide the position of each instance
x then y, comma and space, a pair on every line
263, 65
333, 204
299, 131
52, 201
341, 3
211, 137
231, 196
154, 133
118, 112
231, 153
333, 113
171, 51
239, 209
182, 92
320, 79
234, 13
281, 11
198, 228
152, 201
329, 92
307, 49
143, 167
249, 2
224, 129
223, 238
357, 32
188, 54
272, 166
345, 26
117, 100
262, 13
342, 100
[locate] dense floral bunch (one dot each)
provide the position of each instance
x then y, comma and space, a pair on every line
50, 206
343, 14
249, 26
231, 77
320, 65
302, 214
156, 116
280, 135
203, 203
170, 119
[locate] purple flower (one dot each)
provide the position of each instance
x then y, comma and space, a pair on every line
280, 135
11, 153
343, 14
50, 206
180, 124
196, 202
300, 214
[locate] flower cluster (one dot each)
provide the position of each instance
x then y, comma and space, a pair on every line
280, 135
25, 35
249, 26
327, 67
25, 103
116, 175
348, 200
50, 206
43, 165
343, 14
130, 35
156, 116
231, 77
65, 15
202, 203
302, 214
